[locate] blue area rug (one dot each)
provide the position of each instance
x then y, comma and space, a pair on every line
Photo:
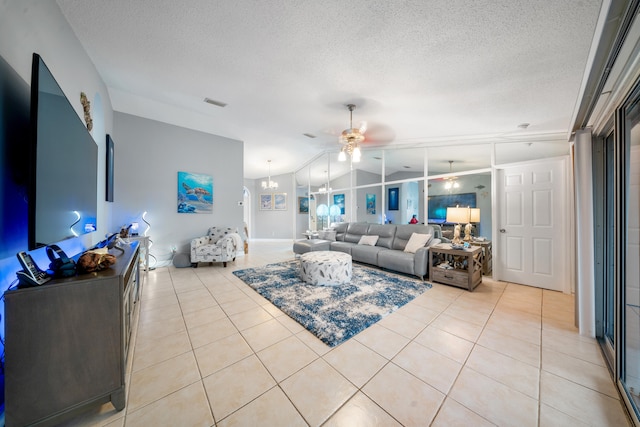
333, 313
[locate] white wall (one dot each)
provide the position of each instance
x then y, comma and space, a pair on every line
271, 224
29, 26
148, 156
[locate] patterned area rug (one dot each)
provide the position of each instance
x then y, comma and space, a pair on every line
333, 313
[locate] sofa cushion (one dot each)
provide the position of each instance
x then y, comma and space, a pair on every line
342, 247
355, 231
404, 232
304, 246
386, 233
341, 230
366, 254
396, 260
417, 241
368, 240
329, 235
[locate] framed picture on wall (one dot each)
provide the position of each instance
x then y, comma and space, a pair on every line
195, 193
394, 195
371, 204
338, 200
303, 205
109, 177
280, 201
266, 202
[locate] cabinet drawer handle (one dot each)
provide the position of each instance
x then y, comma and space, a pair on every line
448, 277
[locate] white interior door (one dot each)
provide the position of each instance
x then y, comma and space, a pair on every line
532, 224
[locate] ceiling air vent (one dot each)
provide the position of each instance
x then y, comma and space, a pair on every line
214, 102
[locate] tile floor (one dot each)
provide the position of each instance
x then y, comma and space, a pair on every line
210, 351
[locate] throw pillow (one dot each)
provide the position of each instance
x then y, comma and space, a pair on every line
330, 235
368, 240
416, 241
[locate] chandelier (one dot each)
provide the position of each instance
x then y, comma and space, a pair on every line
269, 185
351, 139
451, 182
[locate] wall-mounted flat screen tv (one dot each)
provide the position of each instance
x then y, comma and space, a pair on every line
438, 204
64, 159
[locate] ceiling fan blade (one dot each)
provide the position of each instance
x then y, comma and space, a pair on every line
378, 134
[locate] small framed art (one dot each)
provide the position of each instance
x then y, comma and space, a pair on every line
266, 202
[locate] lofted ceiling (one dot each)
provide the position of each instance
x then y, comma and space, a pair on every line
420, 72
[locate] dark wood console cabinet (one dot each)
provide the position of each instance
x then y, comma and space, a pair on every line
67, 342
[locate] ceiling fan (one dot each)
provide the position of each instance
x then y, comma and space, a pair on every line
351, 138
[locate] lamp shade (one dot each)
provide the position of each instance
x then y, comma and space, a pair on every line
334, 210
322, 210
458, 215
474, 215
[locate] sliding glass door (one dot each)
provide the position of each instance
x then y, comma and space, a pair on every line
616, 171
629, 300
604, 173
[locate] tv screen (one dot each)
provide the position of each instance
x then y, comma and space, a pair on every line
14, 161
438, 204
63, 193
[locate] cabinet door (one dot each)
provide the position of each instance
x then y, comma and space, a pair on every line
63, 342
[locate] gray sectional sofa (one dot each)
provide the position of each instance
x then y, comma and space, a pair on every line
389, 250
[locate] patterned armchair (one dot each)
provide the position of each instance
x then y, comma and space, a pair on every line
219, 245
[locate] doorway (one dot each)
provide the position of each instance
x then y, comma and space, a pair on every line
532, 224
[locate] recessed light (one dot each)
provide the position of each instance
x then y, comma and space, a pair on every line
377, 158
523, 125
308, 135
407, 167
214, 102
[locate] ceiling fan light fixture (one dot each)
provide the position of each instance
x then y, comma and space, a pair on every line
342, 157
357, 154
452, 182
351, 139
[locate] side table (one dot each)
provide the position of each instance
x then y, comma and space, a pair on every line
487, 255
144, 248
456, 267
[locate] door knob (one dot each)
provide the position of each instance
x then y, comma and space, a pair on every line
502, 230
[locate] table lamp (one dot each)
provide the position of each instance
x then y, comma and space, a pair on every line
474, 217
457, 216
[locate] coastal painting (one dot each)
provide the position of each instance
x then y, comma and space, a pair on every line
195, 193
371, 204
303, 205
338, 199
280, 201
266, 202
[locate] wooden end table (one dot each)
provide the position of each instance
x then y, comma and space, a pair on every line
456, 267
487, 255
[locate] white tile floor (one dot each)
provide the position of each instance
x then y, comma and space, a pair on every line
210, 351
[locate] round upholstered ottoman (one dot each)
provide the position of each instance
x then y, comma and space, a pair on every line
325, 268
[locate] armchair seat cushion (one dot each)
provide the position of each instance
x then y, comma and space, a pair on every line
219, 245
208, 250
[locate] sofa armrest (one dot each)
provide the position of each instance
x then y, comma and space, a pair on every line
421, 262
228, 244
199, 241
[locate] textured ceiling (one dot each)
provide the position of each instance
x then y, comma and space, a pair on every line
420, 72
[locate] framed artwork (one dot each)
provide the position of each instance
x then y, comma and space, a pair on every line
266, 202
394, 195
280, 201
303, 205
195, 193
109, 178
371, 204
338, 199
